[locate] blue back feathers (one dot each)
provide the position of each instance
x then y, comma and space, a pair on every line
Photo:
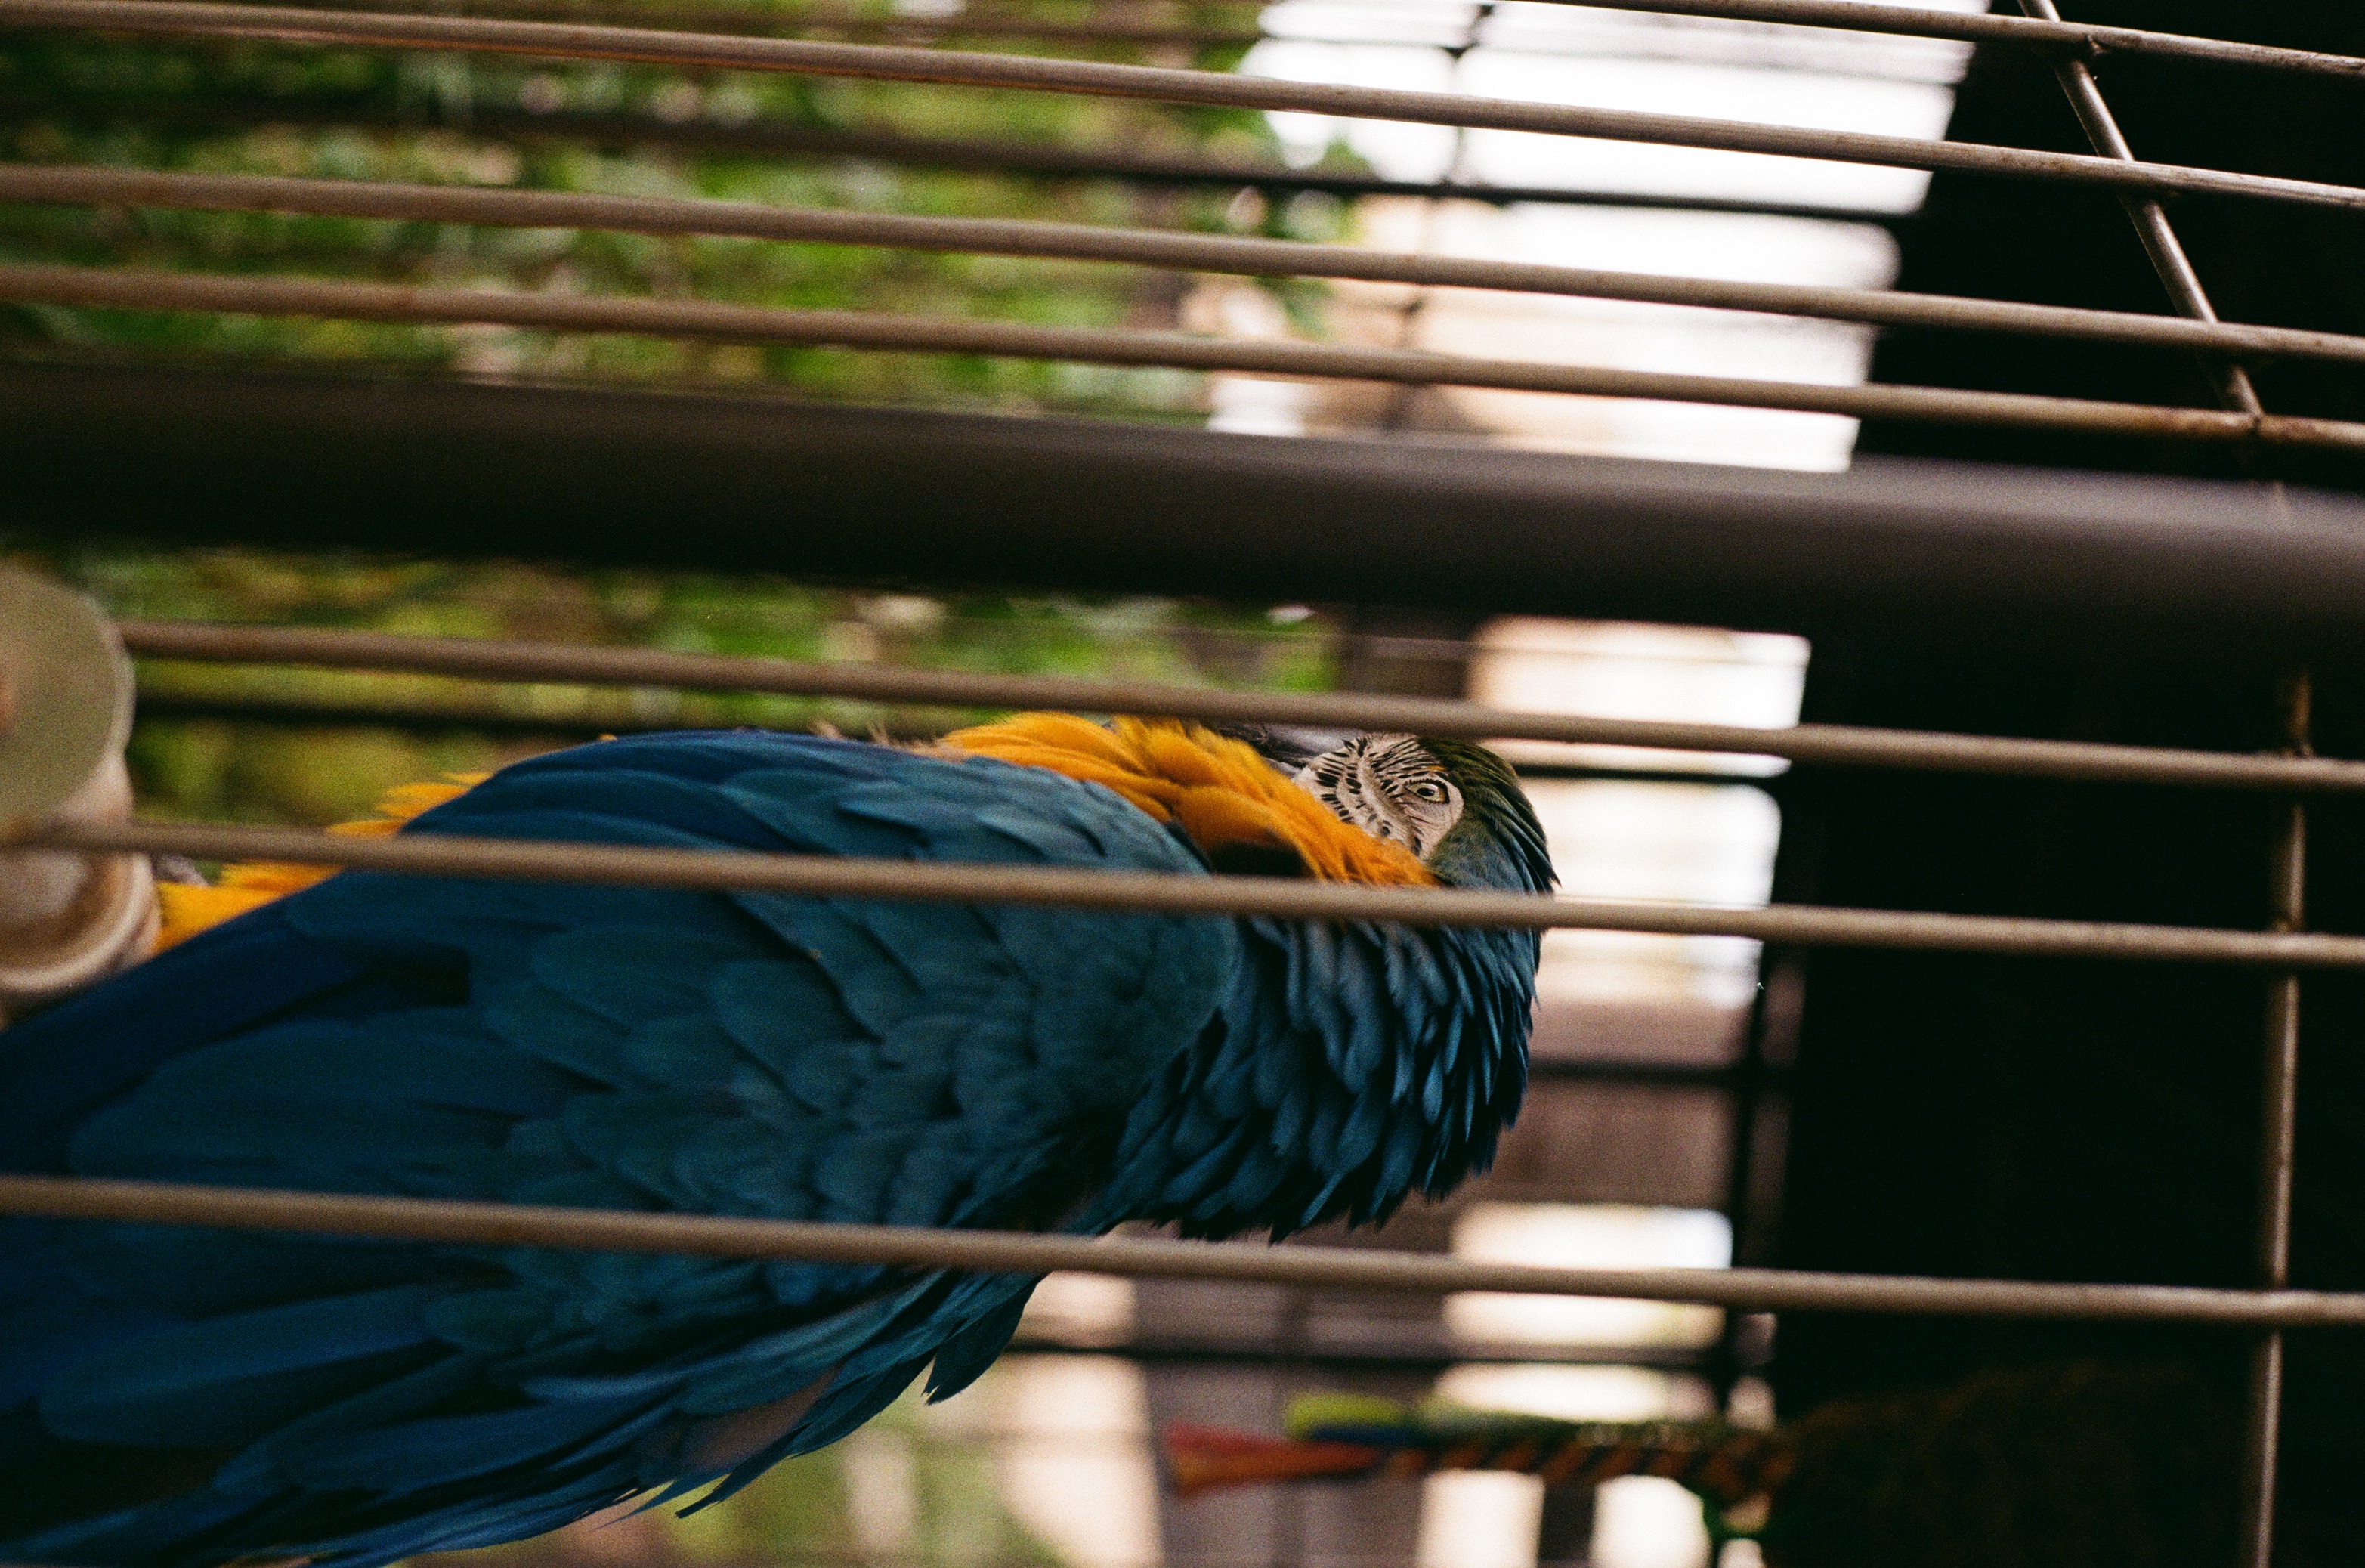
185, 1397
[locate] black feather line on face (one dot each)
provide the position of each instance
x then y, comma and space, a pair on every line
1288, 747
1389, 786
1492, 806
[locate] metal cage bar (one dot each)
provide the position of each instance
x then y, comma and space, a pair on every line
833, 877
134, 289
707, 1236
1824, 744
2048, 34
997, 22
1040, 160
1139, 247
1156, 84
2278, 1151
2159, 241
2287, 869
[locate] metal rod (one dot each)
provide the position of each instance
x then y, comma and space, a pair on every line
1038, 159
1353, 1359
969, 22
459, 1223
763, 23
2152, 227
1824, 744
753, 18
2278, 1146
133, 289
1098, 79
571, 725
981, 21
442, 854
2278, 1079
1836, 14
1744, 1105
1139, 247
2053, 35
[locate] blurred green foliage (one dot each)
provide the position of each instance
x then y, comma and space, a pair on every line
807, 1510
201, 748
256, 108
313, 747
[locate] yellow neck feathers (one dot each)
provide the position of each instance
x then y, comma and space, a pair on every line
1220, 790
250, 884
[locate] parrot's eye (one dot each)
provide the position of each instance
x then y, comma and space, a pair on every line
1390, 787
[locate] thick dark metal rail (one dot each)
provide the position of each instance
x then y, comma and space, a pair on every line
1139, 247
702, 1236
754, 481
1156, 84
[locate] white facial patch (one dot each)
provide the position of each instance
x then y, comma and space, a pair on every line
1390, 787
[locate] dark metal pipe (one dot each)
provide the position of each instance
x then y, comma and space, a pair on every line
754, 482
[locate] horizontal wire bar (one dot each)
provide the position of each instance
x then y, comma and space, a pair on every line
820, 876
135, 289
1825, 745
1156, 84
461, 1223
797, 13
1139, 247
995, 21
976, 21
1163, 1351
770, 23
1035, 159
2052, 36
765, 24
577, 726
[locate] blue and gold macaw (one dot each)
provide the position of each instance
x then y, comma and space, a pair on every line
183, 1397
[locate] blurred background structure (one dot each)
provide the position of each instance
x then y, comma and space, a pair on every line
1660, 1130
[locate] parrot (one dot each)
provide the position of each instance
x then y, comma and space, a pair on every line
183, 1397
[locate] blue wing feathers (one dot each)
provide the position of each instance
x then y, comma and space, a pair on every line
632, 974
233, 1379
897, 1063
760, 1054
59, 1065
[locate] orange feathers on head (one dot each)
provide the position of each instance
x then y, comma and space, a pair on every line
1220, 790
